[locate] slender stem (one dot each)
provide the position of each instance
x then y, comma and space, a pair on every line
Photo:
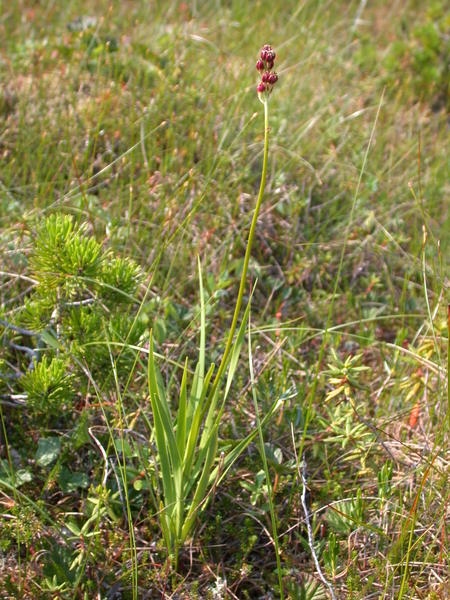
248, 250
262, 451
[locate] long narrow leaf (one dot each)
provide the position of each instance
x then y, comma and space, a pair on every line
182, 413
202, 486
164, 521
168, 425
237, 347
194, 397
199, 374
212, 409
202, 452
161, 432
194, 432
201, 356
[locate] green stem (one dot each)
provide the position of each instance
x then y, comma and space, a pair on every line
248, 250
262, 451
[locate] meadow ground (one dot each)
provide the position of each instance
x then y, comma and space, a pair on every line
141, 121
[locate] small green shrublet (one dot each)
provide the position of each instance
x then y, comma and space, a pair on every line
70, 263
64, 255
36, 313
49, 386
83, 297
120, 277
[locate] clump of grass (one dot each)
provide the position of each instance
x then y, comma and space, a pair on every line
187, 442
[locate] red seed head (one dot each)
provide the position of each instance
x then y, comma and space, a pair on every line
264, 66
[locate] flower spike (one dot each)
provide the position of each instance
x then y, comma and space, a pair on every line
265, 66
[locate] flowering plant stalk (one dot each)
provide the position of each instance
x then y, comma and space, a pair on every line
189, 463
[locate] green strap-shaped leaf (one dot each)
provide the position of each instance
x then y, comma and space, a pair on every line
201, 488
182, 413
194, 397
202, 453
213, 414
201, 354
165, 439
194, 432
199, 375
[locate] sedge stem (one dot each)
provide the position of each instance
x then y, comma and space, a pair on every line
248, 250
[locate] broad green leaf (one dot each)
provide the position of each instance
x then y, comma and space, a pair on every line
15, 479
71, 481
47, 451
50, 340
273, 454
23, 476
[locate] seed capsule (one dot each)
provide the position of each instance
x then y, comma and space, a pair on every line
265, 66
